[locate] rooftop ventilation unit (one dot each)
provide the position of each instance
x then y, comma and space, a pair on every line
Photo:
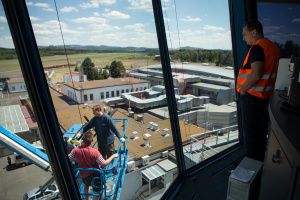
140, 118
146, 139
85, 105
154, 127
149, 126
131, 114
164, 153
145, 160
104, 109
130, 166
166, 132
134, 135
129, 109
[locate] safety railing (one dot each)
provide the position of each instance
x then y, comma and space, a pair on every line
200, 144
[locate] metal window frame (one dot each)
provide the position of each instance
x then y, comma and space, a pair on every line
33, 72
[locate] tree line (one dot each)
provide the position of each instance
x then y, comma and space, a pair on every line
115, 70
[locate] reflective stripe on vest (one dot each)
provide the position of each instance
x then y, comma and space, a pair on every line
265, 86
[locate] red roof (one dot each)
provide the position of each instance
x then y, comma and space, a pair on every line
69, 74
30, 119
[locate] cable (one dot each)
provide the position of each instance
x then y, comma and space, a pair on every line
62, 36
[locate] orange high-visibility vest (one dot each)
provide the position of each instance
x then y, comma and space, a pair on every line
265, 86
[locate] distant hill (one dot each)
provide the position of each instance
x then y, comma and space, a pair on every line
101, 48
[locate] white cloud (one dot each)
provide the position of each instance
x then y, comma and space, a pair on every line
96, 14
213, 28
89, 20
104, 27
189, 19
6, 42
116, 15
69, 9
167, 19
296, 20
135, 26
145, 5
32, 18
96, 3
2, 19
29, 3
44, 6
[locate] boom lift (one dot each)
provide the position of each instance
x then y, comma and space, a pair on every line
111, 178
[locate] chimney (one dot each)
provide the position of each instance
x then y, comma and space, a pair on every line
81, 75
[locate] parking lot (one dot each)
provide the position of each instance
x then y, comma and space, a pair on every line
15, 180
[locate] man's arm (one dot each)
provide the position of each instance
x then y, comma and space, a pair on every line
255, 75
89, 125
71, 156
100, 160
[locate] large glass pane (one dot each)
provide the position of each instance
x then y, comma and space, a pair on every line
281, 25
199, 40
18, 129
103, 53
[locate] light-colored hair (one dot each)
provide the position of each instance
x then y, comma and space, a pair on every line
97, 108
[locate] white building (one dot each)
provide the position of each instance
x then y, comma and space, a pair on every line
68, 77
99, 90
16, 85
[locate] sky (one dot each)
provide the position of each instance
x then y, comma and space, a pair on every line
281, 22
126, 23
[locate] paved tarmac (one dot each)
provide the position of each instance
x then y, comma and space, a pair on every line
15, 181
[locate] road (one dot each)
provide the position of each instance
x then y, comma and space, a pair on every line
16, 181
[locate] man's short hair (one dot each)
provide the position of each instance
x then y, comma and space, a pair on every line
87, 138
97, 108
254, 25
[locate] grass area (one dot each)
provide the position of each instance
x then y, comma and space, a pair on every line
130, 60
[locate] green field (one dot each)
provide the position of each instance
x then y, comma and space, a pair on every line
100, 59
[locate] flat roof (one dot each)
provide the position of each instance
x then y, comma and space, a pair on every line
104, 83
19, 80
12, 118
198, 69
208, 86
67, 111
153, 172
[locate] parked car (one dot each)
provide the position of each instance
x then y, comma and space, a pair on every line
51, 192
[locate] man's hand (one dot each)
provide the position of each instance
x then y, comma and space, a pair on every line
122, 139
116, 155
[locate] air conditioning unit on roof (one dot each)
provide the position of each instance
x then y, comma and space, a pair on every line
145, 160
130, 166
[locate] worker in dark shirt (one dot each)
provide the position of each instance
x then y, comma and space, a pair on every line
255, 83
105, 129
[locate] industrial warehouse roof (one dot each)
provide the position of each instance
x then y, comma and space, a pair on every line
208, 86
104, 83
209, 70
